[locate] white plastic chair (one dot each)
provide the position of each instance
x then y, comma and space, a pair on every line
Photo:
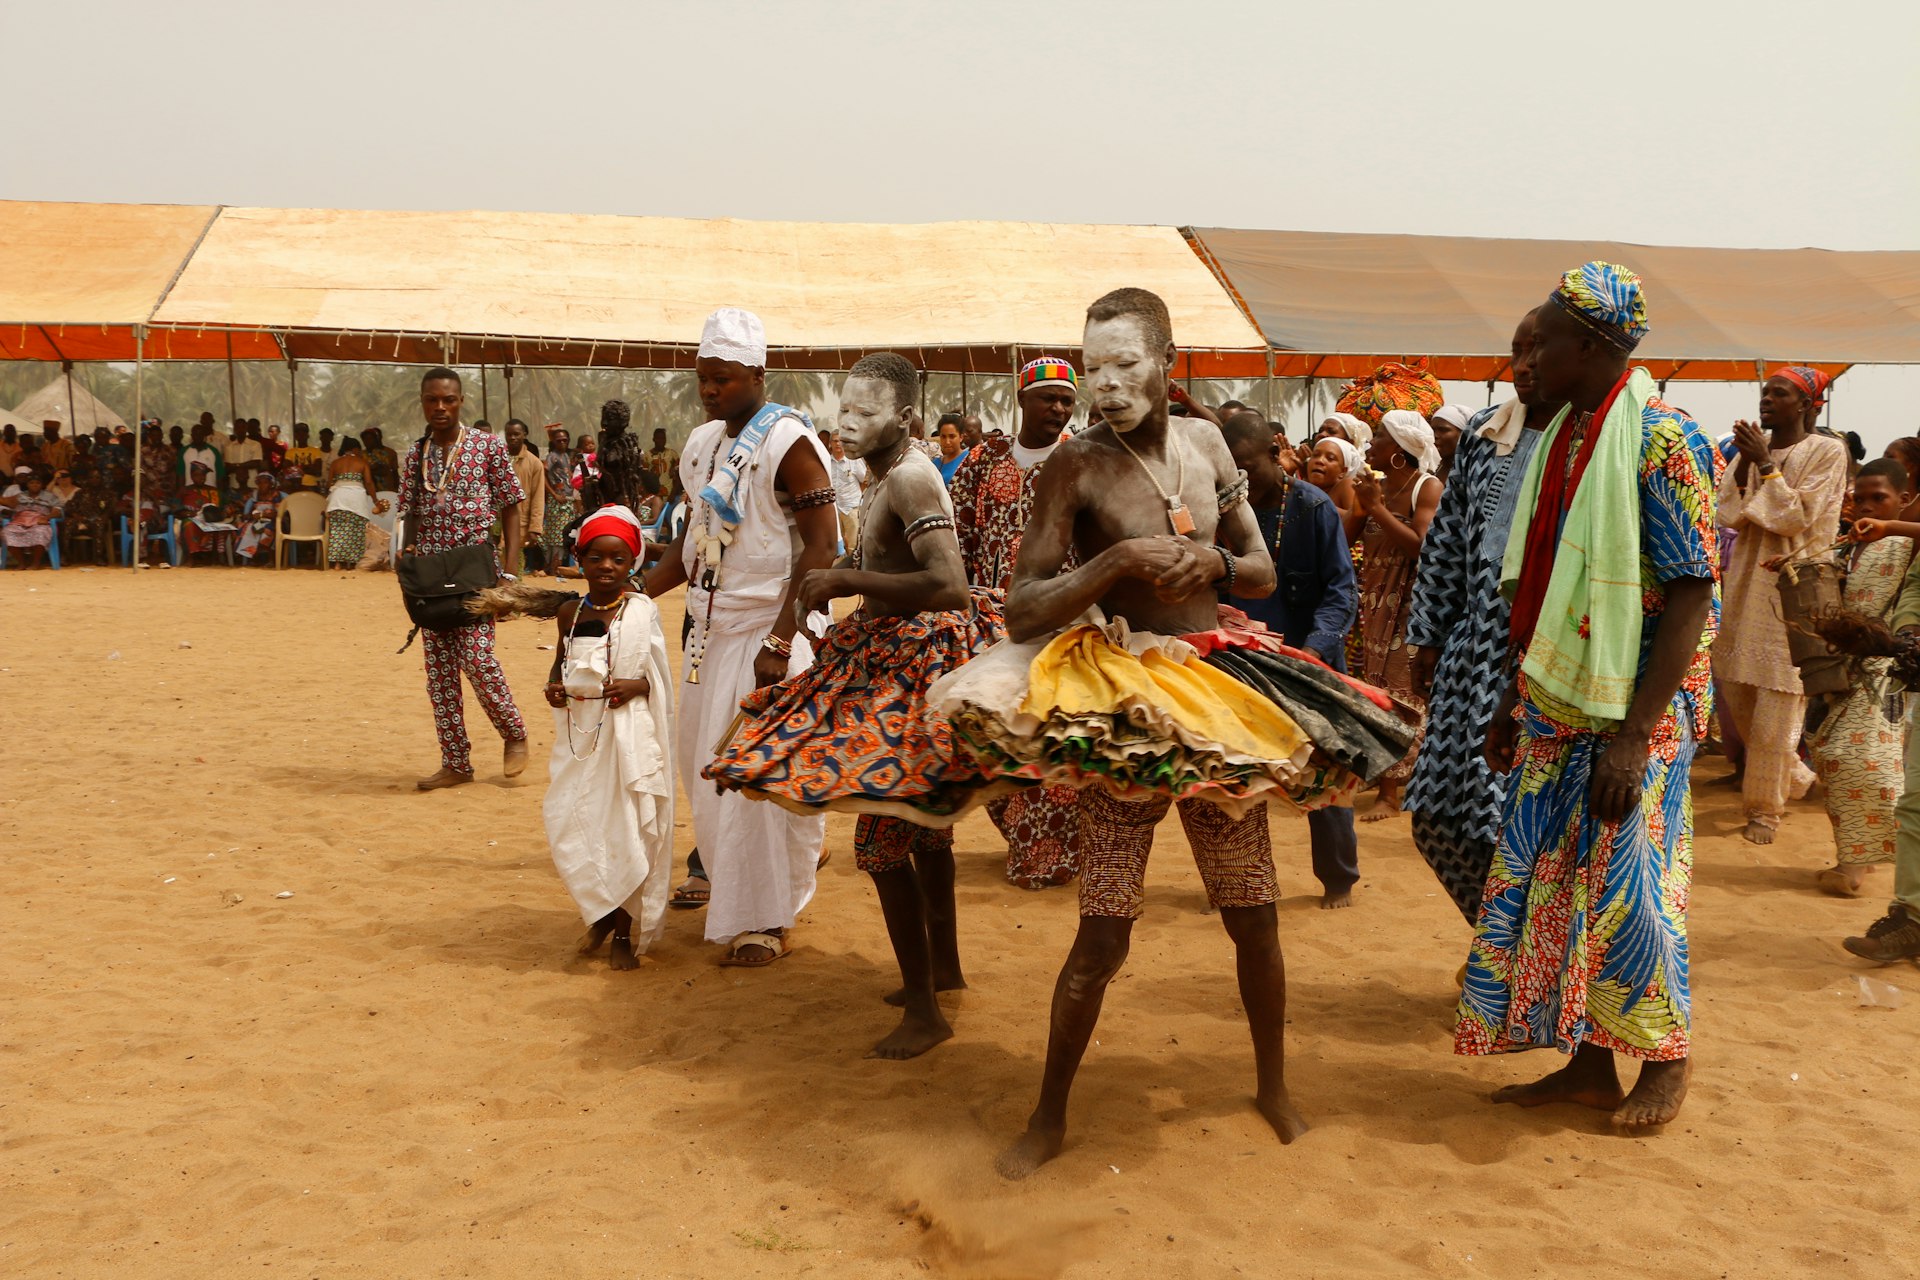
303, 518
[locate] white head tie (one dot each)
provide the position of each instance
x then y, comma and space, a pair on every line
1359, 434
1412, 433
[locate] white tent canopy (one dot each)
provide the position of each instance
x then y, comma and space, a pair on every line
80, 418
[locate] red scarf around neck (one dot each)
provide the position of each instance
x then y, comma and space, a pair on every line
1557, 487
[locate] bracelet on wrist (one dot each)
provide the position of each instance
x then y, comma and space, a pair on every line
775, 645
1225, 581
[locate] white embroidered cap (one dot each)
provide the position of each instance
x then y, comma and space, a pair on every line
734, 333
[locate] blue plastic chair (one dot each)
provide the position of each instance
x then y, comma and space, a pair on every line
126, 542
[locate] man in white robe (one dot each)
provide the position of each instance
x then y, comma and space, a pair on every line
761, 517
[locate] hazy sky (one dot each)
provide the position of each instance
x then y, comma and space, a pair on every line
1741, 124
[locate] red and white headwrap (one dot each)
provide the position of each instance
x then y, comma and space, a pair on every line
613, 521
1813, 383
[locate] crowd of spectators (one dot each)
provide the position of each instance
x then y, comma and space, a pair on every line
208, 497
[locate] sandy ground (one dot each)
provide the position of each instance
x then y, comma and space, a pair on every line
402, 1070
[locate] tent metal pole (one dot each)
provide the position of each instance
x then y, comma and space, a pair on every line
508, 370
293, 390
233, 399
139, 419
485, 412
73, 413
964, 406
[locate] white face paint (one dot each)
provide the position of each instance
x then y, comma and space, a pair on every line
1125, 379
869, 420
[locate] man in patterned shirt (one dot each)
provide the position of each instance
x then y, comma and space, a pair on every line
992, 495
454, 484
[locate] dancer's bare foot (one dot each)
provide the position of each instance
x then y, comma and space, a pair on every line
1386, 804
951, 982
915, 1035
1034, 1148
1335, 899
1842, 880
620, 955
1588, 1081
444, 778
513, 761
1738, 778
595, 935
1656, 1096
1280, 1113
1757, 832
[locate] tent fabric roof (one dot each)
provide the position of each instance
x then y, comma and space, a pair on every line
75, 278
87, 414
559, 289
1335, 305
533, 288
1339, 304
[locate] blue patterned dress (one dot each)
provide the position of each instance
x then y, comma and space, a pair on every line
1582, 937
1454, 797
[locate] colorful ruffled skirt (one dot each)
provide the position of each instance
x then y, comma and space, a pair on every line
854, 733
1231, 716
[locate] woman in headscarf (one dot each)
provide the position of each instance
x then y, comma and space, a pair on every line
30, 532
1344, 426
1448, 425
204, 531
1330, 467
259, 516
1396, 495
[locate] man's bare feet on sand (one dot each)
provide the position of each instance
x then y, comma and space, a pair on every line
1588, 1081
1737, 778
914, 1036
1335, 899
620, 955
443, 779
595, 935
1287, 1122
1656, 1096
1757, 832
513, 761
1034, 1148
1842, 880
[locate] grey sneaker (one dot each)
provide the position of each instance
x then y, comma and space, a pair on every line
1893, 937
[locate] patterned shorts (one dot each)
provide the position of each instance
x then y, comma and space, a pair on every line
1235, 856
882, 843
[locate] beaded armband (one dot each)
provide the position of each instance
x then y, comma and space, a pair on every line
1234, 494
812, 498
927, 524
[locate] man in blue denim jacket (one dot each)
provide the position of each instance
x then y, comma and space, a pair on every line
1312, 607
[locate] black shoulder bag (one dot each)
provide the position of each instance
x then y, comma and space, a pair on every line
436, 587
